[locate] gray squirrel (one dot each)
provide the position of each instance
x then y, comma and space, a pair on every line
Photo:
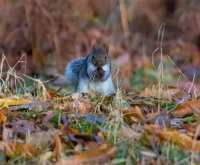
91, 73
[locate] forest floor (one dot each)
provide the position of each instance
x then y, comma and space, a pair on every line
154, 118
150, 124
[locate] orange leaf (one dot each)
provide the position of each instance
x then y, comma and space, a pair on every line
52, 94
175, 137
134, 112
103, 153
187, 108
58, 147
76, 132
3, 118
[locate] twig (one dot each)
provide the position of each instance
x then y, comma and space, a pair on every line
124, 17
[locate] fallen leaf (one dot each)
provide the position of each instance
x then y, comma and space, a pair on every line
134, 113
13, 149
5, 102
3, 118
57, 147
191, 128
180, 139
101, 154
164, 93
44, 158
187, 108
74, 103
76, 136
83, 106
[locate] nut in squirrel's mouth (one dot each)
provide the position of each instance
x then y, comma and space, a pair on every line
98, 75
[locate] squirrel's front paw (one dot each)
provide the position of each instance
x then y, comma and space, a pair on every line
112, 94
77, 95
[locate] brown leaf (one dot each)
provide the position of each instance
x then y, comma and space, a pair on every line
58, 147
74, 103
103, 153
13, 149
191, 129
76, 136
134, 113
180, 139
164, 93
187, 108
83, 106
3, 118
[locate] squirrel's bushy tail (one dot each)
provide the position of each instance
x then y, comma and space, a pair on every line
72, 72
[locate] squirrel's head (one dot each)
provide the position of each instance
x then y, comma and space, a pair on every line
99, 63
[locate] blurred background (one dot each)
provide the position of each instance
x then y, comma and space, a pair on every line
41, 36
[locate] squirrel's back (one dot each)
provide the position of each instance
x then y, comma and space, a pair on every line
73, 70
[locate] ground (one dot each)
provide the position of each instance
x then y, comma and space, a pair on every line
152, 119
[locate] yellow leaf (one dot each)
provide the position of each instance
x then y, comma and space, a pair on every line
13, 101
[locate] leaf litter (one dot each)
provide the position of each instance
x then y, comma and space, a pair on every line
59, 128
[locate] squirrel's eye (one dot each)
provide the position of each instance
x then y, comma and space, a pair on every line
93, 59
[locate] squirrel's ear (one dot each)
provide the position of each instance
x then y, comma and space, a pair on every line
94, 47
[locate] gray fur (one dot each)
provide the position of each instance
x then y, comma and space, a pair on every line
83, 76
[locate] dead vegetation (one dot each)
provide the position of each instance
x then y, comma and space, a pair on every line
152, 119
